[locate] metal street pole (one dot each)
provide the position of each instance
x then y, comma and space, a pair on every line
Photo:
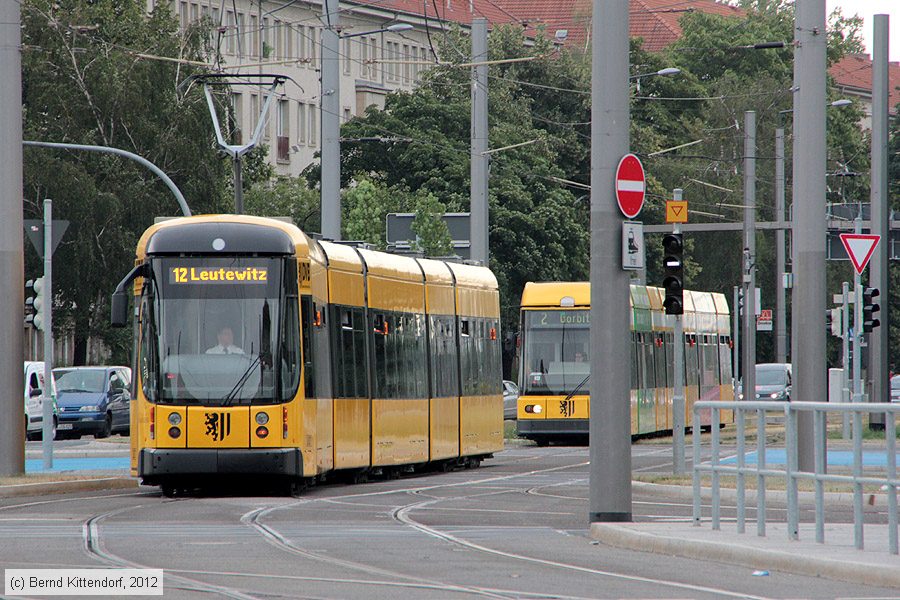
857, 328
749, 279
808, 336
845, 349
47, 430
12, 250
330, 105
678, 383
736, 339
610, 422
879, 367
780, 292
478, 223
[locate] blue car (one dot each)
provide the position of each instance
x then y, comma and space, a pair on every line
93, 400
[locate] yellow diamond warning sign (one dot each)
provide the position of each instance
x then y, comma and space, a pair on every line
676, 211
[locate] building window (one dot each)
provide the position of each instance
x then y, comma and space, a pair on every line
282, 133
195, 12
347, 114
183, 15
230, 33
288, 41
312, 46
347, 56
277, 49
240, 35
235, 116
266, 39
254, 36
301, 42
254, 111
301, 123
406, 65
313, 122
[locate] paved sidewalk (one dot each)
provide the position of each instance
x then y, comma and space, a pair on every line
837, 558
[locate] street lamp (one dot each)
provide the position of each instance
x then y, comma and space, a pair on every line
666, 71
780, 299
330, 116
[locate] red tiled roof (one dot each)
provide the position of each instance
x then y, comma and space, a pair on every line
656, 21
854, 72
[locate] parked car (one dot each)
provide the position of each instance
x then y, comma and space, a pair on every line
895, 388
34, 401
510, 400
93, 400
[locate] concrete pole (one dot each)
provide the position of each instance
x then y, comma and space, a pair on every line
780, 292
12, 250
879, 367
610, 422
479, 160
678, 383
808, 336
47, 292
330, 103
749, 279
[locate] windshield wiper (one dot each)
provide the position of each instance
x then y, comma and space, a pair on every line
240, 383
578, 387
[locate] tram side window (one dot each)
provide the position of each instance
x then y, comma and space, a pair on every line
149, 360
349, 352
444, 363
308, 321
290, 357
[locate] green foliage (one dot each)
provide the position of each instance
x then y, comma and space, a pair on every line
285, 197
81, 85
432, 234
365, 207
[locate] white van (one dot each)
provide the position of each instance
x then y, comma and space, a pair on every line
34, 402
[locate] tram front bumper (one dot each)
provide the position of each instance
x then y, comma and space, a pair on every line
156, 462
543, 427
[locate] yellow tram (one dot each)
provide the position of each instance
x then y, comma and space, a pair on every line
261, 351
554, 357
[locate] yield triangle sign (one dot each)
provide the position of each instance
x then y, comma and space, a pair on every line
859, 247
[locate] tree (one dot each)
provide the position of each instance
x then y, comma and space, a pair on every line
84, 83
432, 234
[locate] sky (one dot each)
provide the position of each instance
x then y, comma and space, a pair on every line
866, 9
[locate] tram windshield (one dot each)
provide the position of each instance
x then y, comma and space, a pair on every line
555, 357
226, 331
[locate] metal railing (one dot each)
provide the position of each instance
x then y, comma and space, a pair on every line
791, 473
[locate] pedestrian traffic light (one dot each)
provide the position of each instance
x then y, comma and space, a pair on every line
34, 305
673, 283
870, 309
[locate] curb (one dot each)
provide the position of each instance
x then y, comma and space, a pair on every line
852, 572
686, 493
64, 487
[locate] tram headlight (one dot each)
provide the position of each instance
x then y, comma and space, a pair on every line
174, 419
262, 418
174, 433
535, 409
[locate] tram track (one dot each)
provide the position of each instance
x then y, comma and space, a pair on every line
403, 514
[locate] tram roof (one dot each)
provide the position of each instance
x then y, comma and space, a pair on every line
195, 234
473, 277
342, 257
391, 265
552, 293
436, 271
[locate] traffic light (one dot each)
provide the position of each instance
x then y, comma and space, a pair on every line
870, 308
673, 260
34, 305
834, 321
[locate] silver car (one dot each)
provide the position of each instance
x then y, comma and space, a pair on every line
510, 400
895, 388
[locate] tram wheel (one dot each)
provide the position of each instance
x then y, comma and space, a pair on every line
295, 487
169, 491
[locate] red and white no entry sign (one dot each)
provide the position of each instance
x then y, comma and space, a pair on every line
630, 185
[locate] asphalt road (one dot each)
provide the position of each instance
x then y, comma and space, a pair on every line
514, 528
